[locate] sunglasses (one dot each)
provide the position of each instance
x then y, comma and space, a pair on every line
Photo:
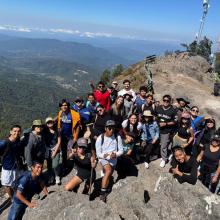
195, 110
166, 100
110, 128
81, 147
100, 110
185, 118
78, 101
101, 86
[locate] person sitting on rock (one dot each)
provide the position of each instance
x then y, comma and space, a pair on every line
108, 148
85, 164
184, 167
125, 163
25, 187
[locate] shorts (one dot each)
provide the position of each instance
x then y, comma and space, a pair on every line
111, 162
8, 176
86, 177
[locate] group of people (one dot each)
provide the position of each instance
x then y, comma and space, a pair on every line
116, 129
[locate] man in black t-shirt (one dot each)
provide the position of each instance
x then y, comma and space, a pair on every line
167, 118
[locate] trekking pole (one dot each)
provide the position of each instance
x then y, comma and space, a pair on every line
90, 183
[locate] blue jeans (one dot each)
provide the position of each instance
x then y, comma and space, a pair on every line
16, 211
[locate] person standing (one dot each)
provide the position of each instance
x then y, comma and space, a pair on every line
68, 124
35, 149
102, 96
167, 118
10, 150
53, 144
127, 90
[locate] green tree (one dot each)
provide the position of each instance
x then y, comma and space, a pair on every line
217, 63
106, 75
117, 70
202, 48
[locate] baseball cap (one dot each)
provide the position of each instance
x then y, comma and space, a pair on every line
82, 142
110, 123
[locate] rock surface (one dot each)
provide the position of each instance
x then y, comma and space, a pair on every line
153, 195
179, 75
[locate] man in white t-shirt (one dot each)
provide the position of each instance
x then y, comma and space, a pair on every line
127, 89
108, 148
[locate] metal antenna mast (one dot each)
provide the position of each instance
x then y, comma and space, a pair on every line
202, 22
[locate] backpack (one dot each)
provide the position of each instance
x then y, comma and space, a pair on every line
15, 183
102, 139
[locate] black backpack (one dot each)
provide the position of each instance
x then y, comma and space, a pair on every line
102, 139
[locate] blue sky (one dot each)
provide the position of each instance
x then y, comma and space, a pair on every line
170, 20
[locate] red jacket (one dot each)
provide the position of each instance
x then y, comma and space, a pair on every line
103, 98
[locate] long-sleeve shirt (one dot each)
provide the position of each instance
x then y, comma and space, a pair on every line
110, 144
103, 98
189, 169
150, 132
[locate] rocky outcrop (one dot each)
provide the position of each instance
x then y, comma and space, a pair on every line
179, 75
154, 194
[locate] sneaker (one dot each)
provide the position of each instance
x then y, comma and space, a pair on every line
146, 165
162, 163
58, 182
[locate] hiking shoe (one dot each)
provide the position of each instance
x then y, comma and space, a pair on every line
162, 163
58, 182
146, 165
103, 197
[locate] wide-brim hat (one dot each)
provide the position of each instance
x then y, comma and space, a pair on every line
184, 99
37, 122
48, 119
147, 113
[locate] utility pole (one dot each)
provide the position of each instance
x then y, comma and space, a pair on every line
202, 21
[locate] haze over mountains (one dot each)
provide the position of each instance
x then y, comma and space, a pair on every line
35, 73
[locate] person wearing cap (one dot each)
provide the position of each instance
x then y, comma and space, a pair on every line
68, 124
53, 145
35, 149
10, 150
209, 159
184, 134
183, 167
102, 95
127, 89
150, 134
167, 118
85, 164
108, 148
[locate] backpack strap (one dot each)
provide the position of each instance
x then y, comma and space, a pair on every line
102, 139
